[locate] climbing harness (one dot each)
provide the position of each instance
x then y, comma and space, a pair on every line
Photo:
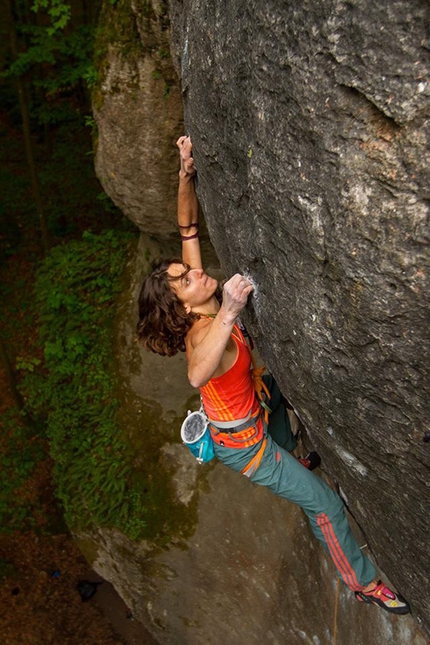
242, 433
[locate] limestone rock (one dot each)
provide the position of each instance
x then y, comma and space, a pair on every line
310, 133
310, 124
138, 112
251, 573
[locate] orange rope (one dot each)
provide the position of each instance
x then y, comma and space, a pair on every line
260, 387
336, 606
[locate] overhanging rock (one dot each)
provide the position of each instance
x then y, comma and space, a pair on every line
310, 124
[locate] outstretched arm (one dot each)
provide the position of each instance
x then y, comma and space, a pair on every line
188, 206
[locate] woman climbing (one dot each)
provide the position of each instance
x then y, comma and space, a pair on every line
179, 310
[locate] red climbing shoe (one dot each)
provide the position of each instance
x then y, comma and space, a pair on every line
311, 461
385, 598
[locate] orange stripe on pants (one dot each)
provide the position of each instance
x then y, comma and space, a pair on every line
338, 556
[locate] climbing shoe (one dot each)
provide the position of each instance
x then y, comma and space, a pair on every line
311, 461
385, 598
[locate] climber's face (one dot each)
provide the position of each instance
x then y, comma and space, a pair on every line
192, 286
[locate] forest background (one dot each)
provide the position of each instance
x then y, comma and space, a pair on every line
63, 245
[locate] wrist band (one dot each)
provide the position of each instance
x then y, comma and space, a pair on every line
196, 224
184, 238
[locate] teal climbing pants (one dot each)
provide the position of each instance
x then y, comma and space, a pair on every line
285, 476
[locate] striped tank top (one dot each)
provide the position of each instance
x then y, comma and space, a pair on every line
231, 396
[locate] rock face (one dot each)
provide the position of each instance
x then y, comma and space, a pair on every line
310, 126
138, 111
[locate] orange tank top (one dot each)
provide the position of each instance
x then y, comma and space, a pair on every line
231, 396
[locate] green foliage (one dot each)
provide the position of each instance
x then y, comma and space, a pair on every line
68, 54
56, 53
90, 76
89, 121
58, 11
20, 451
27, 364
74, 294
68, 383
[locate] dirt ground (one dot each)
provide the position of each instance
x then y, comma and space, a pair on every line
41, 605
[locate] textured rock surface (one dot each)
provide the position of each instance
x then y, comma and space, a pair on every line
249, 574
311, 130
138, 112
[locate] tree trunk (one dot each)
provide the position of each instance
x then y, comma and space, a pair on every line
29, 148
10, 376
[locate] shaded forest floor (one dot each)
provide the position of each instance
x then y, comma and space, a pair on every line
40, 567
39, 608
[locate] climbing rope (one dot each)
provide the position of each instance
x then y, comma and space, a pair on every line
336, 607
261, 388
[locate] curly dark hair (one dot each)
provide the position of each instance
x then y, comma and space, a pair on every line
163, 320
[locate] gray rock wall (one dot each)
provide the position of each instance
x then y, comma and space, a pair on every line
310, 131
251, 574
310, 123
138, 111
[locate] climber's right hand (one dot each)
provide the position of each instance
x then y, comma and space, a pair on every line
185, 154
235, 295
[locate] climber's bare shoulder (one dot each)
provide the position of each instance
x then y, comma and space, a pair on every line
201, 342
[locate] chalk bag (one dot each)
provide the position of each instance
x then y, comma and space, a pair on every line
196, 436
